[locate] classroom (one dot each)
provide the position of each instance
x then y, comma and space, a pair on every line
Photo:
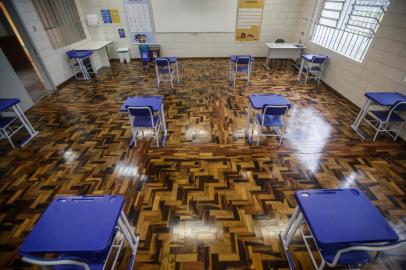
202, 134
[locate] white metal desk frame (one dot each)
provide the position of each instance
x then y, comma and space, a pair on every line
96, 46
302, 62
283, 51
26, 123
361, 116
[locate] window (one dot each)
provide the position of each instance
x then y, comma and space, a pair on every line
61, 21
348, 26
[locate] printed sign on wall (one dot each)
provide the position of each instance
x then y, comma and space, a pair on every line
249, 20
115, 16
121, 33
106, 15
139, 21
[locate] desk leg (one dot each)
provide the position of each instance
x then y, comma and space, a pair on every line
295, 221
27, 124
361, 115
129, 236
163, 124
177, 71
267, 59
248, 124
299, 75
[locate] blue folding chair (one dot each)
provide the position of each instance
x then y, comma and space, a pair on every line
144, 55
81, 261
314, 69
350, 255
81, 63
242, 66
7, 130
387, 121
164, 69
272, 116
143, 118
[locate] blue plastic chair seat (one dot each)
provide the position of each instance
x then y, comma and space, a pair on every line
145, 121
315, 68
347, 258
383, 115
5, 121
163, 70
270, 120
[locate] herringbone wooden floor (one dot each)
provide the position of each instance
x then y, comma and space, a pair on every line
207, 200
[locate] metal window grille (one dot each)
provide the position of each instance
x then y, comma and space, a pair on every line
61, 21
348, 26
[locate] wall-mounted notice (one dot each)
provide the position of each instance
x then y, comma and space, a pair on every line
106, 15
139, 21
249, 20
115, 16
121, 33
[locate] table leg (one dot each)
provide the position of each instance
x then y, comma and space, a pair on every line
83, 68
163, 124
248, 124
126, 229
26, 123
295, 221
267, 59
299, 75
361, 115
177, 71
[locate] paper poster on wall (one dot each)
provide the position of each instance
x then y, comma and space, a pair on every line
139, 21
249, 20
115, 16
121, 33
106, 15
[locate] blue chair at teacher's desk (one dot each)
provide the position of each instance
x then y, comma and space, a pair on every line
144, 118
272, 116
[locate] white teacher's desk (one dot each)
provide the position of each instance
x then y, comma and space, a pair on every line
283, 51
100, 52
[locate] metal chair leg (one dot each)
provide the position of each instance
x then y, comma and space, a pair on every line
377, 131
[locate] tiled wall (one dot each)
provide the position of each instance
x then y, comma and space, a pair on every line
280, 20
55, 61
382, 69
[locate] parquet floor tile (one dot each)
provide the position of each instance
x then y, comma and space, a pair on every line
207, 200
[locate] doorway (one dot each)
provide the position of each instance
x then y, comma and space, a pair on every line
19, 57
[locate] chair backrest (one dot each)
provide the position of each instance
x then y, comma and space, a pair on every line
243, 60
279, 40
274, 109
162, 62
370, 247
146, 111
319, 59
144, 53
398, 107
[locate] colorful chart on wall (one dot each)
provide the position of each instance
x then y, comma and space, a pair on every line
249, 20
139, 21
115, 16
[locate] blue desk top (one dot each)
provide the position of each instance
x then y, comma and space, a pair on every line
309, 57
343, 216
385, 98
6, 103
258, 101
75, 224
143, 101
233, 57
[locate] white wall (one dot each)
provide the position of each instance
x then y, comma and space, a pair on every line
280, 20
10, 84
55, 61
384, 66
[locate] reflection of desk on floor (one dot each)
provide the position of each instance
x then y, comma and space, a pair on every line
100, 52
283, 51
